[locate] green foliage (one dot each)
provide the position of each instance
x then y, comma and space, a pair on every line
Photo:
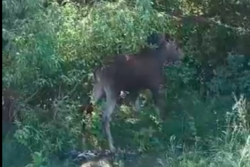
50, 131
49, 54
237, 71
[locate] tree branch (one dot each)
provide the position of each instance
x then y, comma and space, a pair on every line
201, 19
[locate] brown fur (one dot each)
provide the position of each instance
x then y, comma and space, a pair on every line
133, 73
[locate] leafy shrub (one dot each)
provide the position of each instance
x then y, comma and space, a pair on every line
50, 52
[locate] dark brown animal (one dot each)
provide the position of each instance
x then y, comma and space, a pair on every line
133, 73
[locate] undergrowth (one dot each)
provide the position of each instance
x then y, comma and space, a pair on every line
48, 56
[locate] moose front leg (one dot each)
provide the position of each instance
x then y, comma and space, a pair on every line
158, 102
135, 99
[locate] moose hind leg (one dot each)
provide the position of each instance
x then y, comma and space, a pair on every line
97, 92
157, 98
106, 115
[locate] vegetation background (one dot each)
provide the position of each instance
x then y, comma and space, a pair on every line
49, 49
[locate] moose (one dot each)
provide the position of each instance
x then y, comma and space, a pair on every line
133, 73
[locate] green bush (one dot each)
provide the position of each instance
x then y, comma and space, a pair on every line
50, 52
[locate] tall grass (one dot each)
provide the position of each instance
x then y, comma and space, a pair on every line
231, 149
